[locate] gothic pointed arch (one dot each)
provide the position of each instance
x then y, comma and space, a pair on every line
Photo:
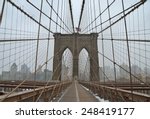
84, 65
66, 66
76, 42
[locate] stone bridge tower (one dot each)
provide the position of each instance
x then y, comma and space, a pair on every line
76, 42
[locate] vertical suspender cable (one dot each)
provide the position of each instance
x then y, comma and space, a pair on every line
37, 47
48, 40
95, 14
112, 43
128, 50
64, 14
62, 4
145, 72
103, 60
57, 14
91, 15
47, 52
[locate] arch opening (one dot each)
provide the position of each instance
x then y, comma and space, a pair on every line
66, 65
84, 65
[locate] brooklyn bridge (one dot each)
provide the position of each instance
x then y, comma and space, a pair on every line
74, 51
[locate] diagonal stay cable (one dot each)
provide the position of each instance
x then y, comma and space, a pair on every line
58, 16
124, 69
97, 16
105, 75
108, 79
122, 17
2, 11
47, 15
132, 8
25, 13
26, 79
58, 65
